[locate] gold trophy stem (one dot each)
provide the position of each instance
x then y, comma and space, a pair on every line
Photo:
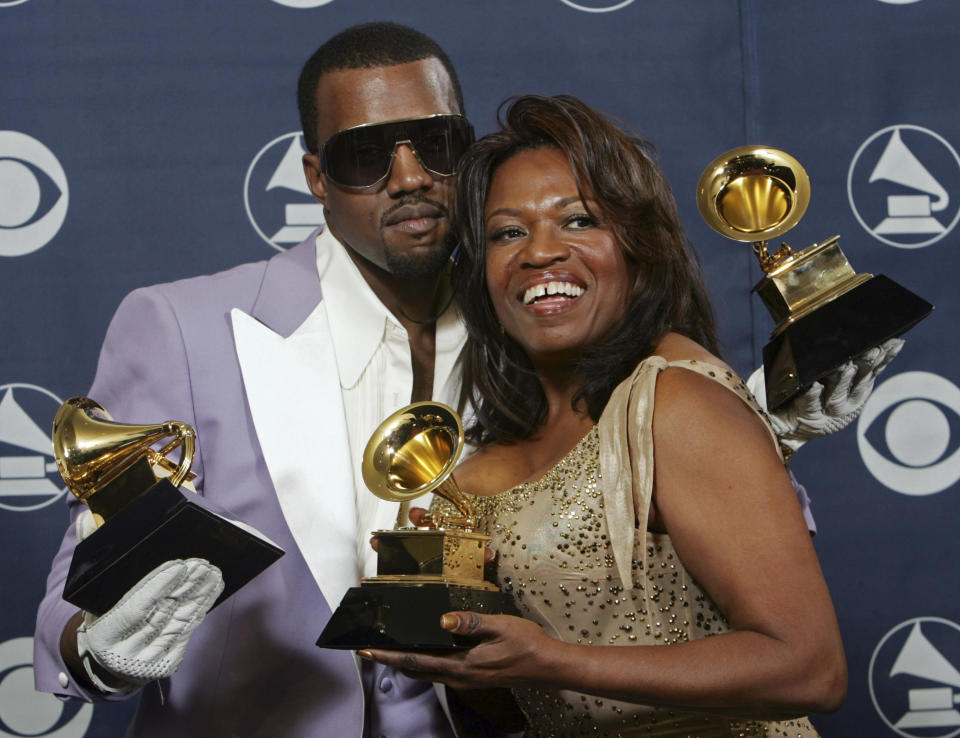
770, 262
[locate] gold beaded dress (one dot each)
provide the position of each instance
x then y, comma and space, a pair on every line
558, 541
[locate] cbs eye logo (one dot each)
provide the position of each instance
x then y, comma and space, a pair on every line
23, 710
909, 433
33, 194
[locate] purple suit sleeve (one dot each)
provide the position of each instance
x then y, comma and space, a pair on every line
142, 377
804, 500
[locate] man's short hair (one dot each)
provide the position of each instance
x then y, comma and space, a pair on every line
364, 46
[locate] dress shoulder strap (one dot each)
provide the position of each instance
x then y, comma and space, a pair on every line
626, 449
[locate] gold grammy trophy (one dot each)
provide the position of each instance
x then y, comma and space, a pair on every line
825, 313
142, 518
422, 572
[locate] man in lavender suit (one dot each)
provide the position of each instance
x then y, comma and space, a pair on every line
284, 368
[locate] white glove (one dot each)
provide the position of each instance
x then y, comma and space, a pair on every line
144, 636
86, 524
830, 404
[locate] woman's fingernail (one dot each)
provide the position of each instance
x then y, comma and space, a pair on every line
364, 654
449, 622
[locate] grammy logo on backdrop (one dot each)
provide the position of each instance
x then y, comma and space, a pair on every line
928, 706
276, 196
908, 213
825, 312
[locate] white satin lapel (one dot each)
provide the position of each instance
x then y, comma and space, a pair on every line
293, 389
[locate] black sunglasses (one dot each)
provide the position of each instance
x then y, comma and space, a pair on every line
361, 157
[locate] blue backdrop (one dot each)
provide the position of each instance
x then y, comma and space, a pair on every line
144, 142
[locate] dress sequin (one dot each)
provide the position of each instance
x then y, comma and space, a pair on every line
555, 558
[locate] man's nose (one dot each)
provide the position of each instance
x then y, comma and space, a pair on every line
406, 172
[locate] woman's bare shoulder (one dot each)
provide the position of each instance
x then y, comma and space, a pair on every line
689, 403
489, 470
675, 347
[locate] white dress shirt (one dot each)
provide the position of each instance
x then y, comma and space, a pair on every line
372, 352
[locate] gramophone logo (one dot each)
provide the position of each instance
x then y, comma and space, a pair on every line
597, 6
29, 479
23, 710
909, 433
302, 3
914, 681
904, 186
279, 204
33, 194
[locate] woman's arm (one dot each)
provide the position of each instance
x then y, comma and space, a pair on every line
722, 493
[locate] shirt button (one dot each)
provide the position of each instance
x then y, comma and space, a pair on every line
63, 679
386, 684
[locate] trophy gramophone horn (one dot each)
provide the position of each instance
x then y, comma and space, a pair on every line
413, 452
92, 450
752, 194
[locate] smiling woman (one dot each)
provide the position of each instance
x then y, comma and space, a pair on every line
635, 495
608, 188
556, 275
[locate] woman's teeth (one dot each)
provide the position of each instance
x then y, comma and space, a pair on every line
548, 289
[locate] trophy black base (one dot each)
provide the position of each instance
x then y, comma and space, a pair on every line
834, 333
163, 523
407, 616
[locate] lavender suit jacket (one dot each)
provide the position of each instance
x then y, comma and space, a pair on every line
251, 668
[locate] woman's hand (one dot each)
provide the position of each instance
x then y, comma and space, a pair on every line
417, 514
510, 652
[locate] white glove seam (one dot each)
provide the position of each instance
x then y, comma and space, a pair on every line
144, 636
87, 656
